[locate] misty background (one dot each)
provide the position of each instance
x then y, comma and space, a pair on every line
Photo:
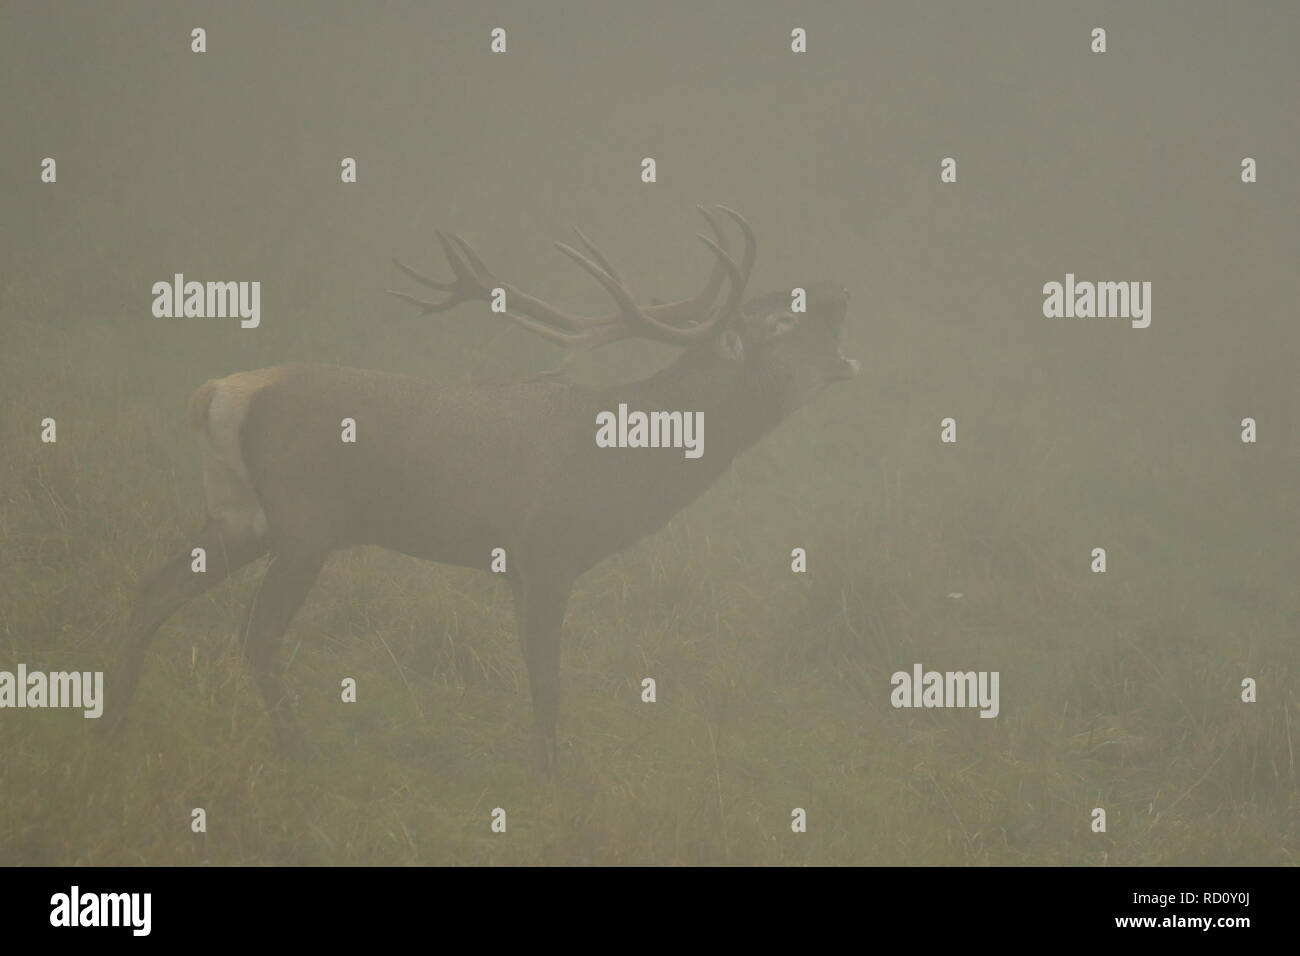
1118, 690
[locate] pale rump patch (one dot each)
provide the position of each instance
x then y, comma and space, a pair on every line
218, 409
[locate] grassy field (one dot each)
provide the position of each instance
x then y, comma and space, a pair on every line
1118, 690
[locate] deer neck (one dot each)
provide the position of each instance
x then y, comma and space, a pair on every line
737, 410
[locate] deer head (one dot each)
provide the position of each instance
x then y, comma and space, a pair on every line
791, 355
797, 354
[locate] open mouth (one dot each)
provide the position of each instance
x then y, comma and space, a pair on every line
847, 367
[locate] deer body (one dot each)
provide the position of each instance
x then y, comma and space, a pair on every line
406, 484
450, 472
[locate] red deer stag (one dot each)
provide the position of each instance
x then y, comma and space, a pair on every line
450, 472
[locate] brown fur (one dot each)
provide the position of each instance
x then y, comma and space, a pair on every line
450, 472
242, 386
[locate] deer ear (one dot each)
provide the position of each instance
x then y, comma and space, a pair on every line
731, 346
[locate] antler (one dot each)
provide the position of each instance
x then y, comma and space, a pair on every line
678, 323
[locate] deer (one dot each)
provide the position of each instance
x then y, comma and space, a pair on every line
448, 472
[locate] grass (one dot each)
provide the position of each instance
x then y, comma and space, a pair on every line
1118, 690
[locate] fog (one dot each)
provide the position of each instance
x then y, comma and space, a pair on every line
1120, 689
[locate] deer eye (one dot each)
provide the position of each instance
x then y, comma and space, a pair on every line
780, 323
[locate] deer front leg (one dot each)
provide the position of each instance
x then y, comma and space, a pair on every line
540, 600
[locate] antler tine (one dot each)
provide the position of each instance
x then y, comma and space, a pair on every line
751, 242
615, 288
636, 317
529, 305
480, 271
673, 312
463, 288
560, 336
426, 307
424, 279
712, 220
473, 280
697, 306
598, 256
632, 314
735, 295
575, 333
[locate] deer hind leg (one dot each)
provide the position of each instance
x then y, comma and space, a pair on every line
233, 536
284, 586
540, 600
163, 592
